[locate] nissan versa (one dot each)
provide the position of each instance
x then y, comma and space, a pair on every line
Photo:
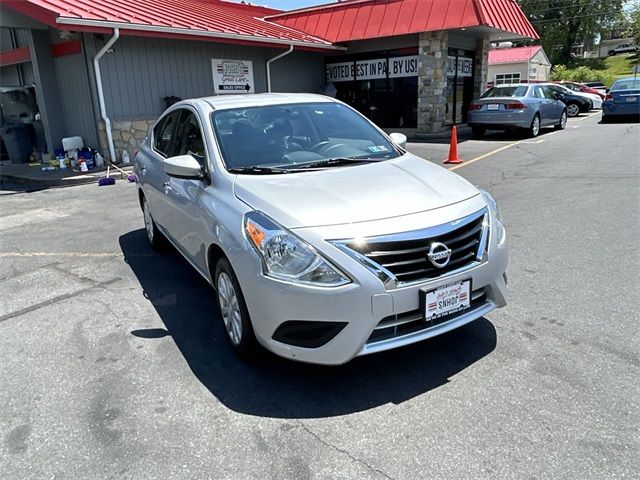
323, 238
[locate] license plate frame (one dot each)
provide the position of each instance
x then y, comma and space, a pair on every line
493, 106
429, 295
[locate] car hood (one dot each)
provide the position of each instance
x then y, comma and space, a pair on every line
352, 194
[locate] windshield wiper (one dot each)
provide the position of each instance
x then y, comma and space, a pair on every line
334, 162
258, 170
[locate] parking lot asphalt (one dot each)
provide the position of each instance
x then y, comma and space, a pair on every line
113, 363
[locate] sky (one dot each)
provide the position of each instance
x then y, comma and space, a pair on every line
289, 4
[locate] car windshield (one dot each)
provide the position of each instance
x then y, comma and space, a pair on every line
291, 137
629, 84
517, 91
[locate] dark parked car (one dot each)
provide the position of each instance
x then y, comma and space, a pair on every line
623, 99
576, 103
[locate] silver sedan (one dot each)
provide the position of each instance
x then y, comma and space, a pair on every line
527, 107
323, 238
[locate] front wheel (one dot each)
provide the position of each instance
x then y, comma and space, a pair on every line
233, 310
573, 110
534, 130
563, 121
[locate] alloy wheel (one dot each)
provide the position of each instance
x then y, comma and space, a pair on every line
230, 308
535, 126
573, 110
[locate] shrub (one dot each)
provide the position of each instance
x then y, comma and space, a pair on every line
581, 74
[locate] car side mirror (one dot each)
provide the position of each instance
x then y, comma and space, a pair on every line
558, 96
399, 139
183, 166
607, 90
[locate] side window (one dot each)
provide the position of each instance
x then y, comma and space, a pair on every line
189, 139
162, 134
549, 93
537, 92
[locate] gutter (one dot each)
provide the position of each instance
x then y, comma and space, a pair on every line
81, 22
103, 108
270, 61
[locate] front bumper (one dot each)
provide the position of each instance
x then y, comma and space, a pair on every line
362, 304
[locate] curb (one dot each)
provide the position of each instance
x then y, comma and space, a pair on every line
59, 182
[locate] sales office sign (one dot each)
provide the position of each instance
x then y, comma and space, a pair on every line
232, 76
397, 67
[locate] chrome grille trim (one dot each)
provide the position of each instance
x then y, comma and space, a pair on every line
377, 253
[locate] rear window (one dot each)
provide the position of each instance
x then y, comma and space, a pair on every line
518, 91
629, 84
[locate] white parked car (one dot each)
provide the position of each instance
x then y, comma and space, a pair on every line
322, 236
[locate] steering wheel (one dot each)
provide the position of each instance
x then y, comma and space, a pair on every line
319, 145
333, 147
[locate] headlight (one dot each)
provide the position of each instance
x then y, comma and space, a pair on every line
495, 213
286, 257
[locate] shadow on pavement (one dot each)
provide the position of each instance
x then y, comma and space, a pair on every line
270, 386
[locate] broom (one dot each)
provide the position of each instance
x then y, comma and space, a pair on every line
132, 178
102, 181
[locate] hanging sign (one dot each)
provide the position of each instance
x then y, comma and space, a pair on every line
465, 66
374, 69
232, 76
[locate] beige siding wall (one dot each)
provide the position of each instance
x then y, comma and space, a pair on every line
542, 70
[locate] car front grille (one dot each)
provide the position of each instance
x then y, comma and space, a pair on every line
405, 255
410, 322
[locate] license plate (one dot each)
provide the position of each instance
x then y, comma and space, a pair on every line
493, 106
631, 99
447, 300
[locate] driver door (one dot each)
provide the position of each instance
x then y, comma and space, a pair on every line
185, 197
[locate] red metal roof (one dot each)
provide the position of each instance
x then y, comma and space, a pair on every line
365, 19
208, 18
512, 55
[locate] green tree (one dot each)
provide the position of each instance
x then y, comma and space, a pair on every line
562, 24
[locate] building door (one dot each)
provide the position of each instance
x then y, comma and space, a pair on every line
459, 85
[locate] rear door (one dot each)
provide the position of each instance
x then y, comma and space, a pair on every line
556, 105
545, 108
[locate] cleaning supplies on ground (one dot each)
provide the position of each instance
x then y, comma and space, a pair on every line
98, 159
125, 158
83, 166
72, 143
87, 156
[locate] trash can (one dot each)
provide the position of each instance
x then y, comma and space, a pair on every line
18, 141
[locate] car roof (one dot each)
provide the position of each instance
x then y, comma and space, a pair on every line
224, 102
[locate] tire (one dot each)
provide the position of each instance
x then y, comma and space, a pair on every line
477, 132
155, 237
604, 119
563, 121
573, 110
233, 310
534, 129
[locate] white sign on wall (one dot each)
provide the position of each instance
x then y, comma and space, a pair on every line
232, 76
374, 69
465, 66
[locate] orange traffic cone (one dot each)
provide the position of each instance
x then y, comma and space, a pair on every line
453, 148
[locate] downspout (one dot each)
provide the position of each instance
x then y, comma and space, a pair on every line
103, 108
269, 62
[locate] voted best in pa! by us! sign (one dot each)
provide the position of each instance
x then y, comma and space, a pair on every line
232, 76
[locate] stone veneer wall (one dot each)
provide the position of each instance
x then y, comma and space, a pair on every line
432, 81
481, 67
127, 135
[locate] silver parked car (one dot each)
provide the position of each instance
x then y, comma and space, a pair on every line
524, 106
322, 236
